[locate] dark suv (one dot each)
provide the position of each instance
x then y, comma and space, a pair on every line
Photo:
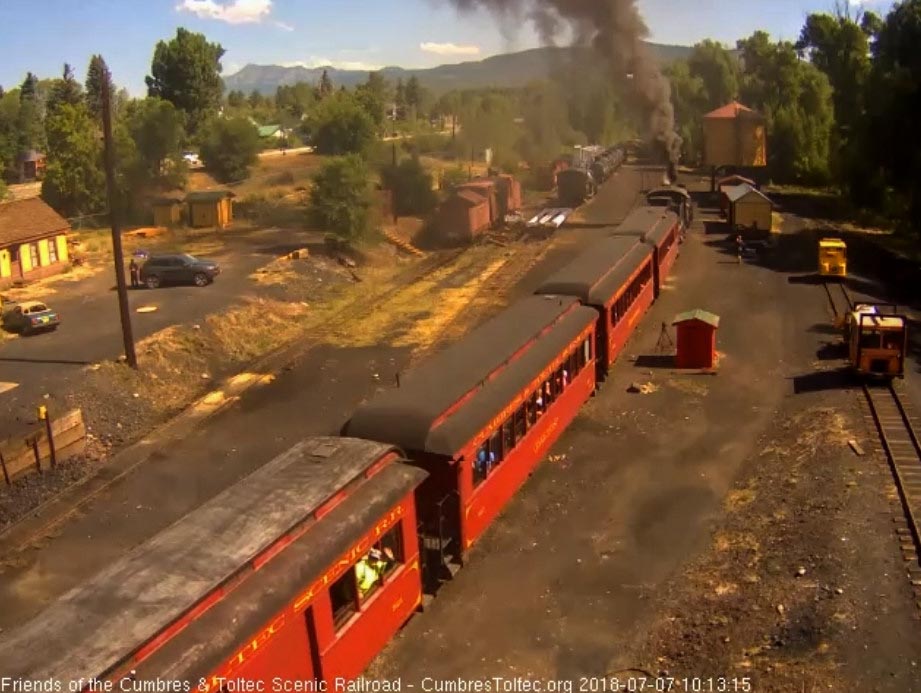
178, 269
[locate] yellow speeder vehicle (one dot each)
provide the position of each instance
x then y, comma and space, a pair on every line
877, 341
832, 257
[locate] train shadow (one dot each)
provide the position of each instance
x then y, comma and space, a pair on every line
821, 381
655, 361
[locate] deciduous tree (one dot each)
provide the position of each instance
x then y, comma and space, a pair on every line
341, 126
229, 147
74, 182
341, 199
186, 71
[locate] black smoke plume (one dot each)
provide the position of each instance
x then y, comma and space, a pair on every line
617, 31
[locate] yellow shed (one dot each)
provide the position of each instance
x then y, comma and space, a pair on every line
734, 135
210, 208
750, 208
167, 211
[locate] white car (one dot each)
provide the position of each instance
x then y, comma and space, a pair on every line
191, 158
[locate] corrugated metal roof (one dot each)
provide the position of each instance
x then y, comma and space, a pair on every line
738, 192
698, 314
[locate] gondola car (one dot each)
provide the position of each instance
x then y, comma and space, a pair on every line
258, 582
615, 277
480, 415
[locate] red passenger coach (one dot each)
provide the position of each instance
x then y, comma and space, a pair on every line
660, 229
615, 277
481, 414
257, 583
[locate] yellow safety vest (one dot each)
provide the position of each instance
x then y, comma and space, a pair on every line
366, 575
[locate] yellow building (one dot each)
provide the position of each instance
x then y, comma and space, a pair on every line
750, 208
734, 135
210, 208
33, 241
167, 211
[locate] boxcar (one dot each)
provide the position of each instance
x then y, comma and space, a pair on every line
615, 277
658, 228
256, 583
481, 414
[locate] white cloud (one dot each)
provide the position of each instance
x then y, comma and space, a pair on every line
315, 62
449, 49
233, 12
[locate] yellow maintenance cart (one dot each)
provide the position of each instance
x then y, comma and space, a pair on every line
832, 257
877, 341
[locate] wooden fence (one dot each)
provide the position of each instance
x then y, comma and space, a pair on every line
31, 451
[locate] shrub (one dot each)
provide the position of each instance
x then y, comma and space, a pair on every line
341, 198
412, 187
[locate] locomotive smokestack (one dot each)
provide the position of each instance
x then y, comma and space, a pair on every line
617, 31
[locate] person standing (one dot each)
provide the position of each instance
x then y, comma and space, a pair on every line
740, 246
133, 270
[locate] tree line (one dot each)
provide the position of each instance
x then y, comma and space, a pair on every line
840, 103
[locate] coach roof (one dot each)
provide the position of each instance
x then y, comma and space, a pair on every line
649, 223
596, 276
477, 377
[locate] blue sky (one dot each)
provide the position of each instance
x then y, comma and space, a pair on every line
40, 35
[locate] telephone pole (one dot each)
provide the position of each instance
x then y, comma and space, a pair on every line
123, 307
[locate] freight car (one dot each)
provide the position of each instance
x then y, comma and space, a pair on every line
305, 569
261, 581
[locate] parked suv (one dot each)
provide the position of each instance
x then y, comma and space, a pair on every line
178, 269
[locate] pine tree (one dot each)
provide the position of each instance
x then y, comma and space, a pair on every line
326, 85
64, 91
97, 75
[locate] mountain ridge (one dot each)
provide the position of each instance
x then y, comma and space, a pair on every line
503, 70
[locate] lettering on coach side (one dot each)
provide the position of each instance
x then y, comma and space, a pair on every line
245, 653
350, 558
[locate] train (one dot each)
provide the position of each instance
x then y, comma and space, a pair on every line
593, 167
305, 569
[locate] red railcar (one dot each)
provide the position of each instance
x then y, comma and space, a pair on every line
659, 228
615, 277
481, 414
258, 582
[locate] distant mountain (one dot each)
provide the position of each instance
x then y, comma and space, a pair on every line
509, 70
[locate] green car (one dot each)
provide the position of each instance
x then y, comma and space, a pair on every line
30, 317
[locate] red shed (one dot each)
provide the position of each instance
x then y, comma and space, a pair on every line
696, 339
512, 192
463, 216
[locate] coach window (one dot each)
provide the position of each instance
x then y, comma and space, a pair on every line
344, 597
521, 427
508, 435
390, 548
587, 348
495, 447
481, 465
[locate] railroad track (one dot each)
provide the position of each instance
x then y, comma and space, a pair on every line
843, 304
900, 442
